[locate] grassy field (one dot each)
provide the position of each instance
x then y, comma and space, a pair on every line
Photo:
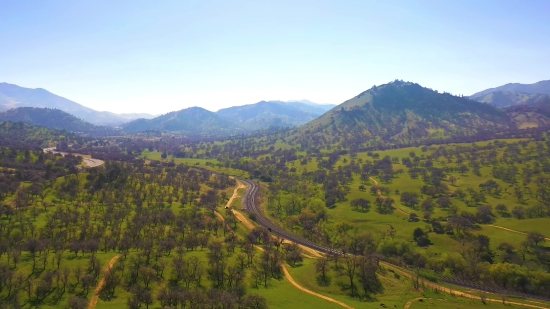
210, 164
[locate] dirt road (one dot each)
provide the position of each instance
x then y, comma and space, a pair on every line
510, 230
95, 296
88, 162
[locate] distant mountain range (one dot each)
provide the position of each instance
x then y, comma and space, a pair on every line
266, 114
192, 121
515, 94
55, 119
501, 99
542, 87
232, 120
13, 96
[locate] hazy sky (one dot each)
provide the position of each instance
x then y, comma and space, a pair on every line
159, 56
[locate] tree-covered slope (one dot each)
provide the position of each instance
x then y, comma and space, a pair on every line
24, 136
55, 119
501, 99
530, 115
191, 121
404, 110
266, 114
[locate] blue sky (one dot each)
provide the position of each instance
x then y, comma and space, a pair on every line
160, 56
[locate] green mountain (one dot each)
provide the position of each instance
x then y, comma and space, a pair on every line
542, 87
501, 99
265, 114
55, 119
405, 111
190, 121
13, 96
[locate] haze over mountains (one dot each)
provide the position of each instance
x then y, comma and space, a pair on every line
390, 111
13, 96
274, 113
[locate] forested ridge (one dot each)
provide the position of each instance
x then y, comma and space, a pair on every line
55, 119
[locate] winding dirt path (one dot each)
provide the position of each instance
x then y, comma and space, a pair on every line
95, 296
243, 219
510, 230
301, 288
381, 196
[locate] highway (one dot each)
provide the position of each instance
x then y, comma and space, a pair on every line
251, 206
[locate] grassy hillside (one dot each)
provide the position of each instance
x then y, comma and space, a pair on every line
403, 111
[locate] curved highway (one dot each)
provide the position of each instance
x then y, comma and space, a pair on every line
250, 205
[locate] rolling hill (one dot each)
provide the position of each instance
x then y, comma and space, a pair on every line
266, 114
542, 87
501, 99
13, 96
405, 110
190, 121
54, 119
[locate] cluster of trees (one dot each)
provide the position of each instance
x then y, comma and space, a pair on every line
34, 166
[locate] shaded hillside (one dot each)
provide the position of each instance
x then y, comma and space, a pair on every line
55, 119
532, 115
405, 111
542, 87
13, 96
191, 121
267, 114
501, 99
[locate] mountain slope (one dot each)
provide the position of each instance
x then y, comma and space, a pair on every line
13, 96
191, 121
404, 110
542, 87
55, 119
530, 115
266, 114
501, 99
